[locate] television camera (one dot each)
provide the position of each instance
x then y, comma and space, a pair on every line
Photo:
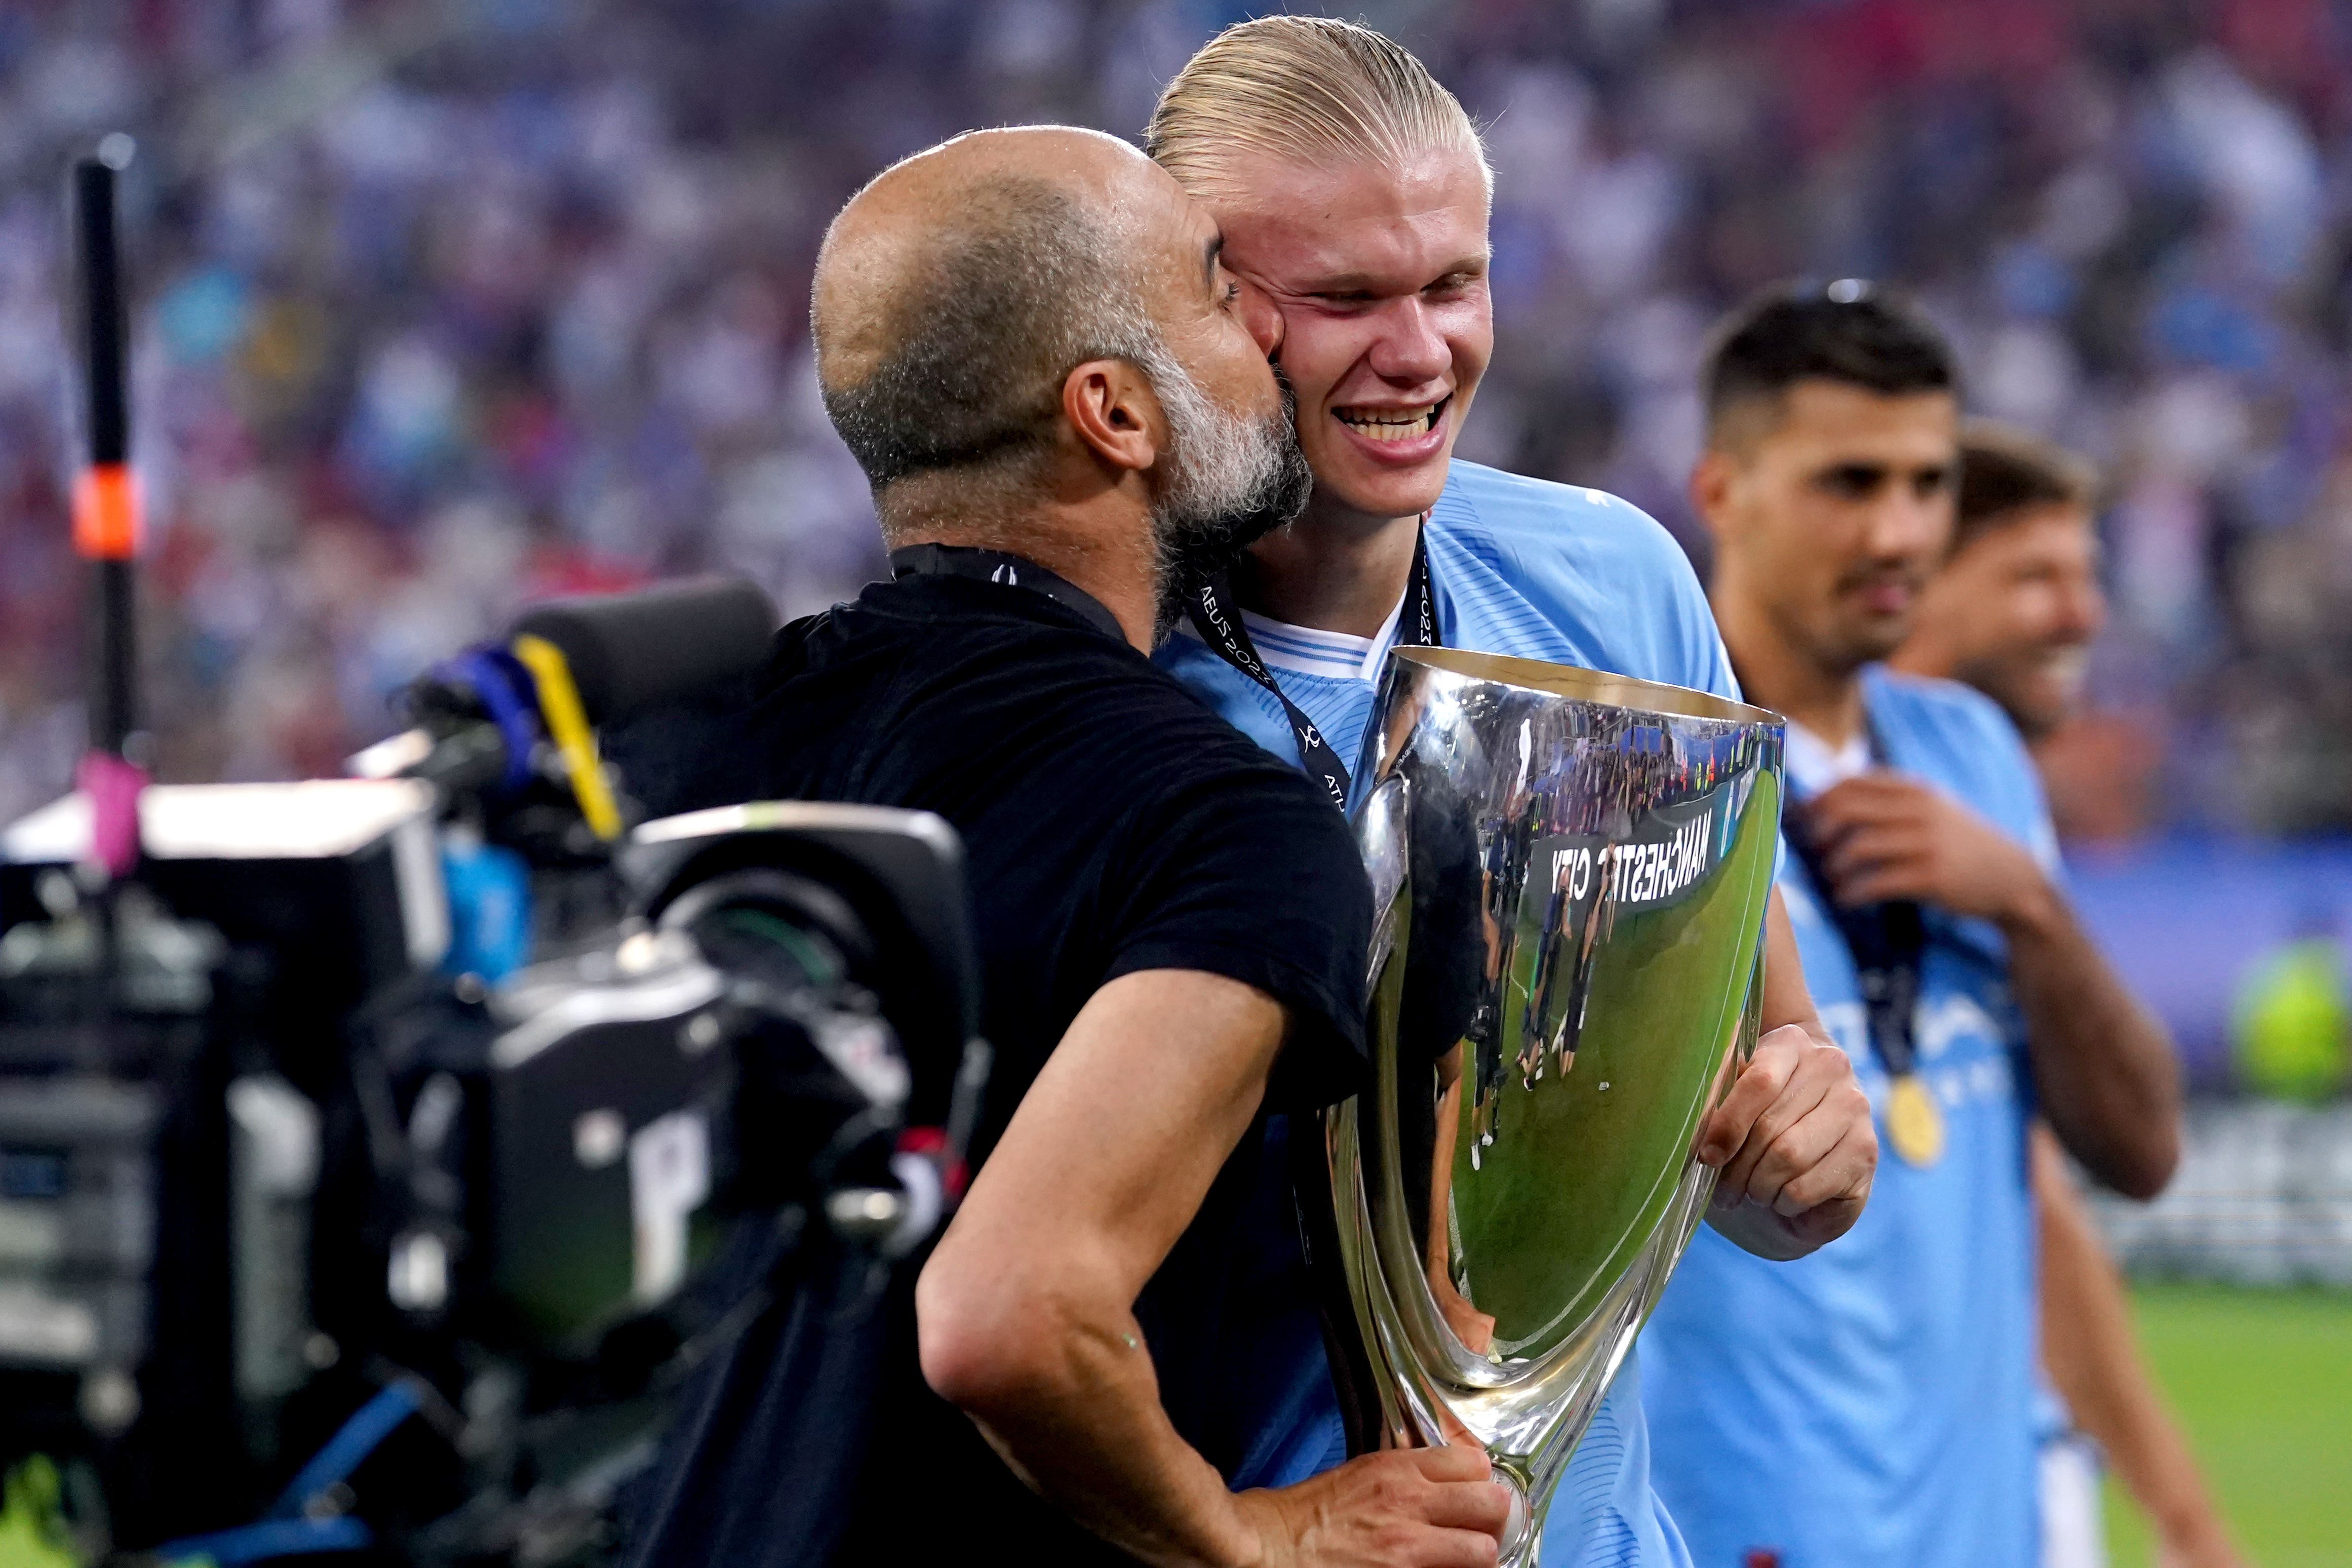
382, 1158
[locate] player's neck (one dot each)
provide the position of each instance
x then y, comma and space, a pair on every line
1777, 673
1335, 569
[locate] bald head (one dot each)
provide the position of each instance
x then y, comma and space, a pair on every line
955, 293
1029, 341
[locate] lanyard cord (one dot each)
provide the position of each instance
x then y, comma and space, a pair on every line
1888, 943
1217, 617
1007, 571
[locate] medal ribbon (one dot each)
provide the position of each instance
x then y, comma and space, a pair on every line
1217, 617
1888, 942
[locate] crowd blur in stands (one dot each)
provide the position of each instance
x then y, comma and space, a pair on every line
445, 305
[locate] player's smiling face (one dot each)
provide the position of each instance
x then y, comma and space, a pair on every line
2019, 606
1380, 272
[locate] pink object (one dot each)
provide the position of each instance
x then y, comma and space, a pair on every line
112, 787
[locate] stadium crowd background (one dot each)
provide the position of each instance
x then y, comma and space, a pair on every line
444, 304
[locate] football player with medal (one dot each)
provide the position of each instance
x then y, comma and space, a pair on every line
1879, 1405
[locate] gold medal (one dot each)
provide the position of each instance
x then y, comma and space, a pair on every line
1914, 1125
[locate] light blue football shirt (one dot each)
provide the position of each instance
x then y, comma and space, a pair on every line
1874, 1402
1534, 570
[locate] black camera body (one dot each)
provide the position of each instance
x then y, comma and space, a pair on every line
290, 1212
329, 1225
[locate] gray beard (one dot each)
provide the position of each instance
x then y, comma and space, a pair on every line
1233, 479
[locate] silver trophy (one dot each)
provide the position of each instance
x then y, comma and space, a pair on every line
1568, 877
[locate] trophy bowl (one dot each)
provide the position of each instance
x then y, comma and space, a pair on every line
1569, 872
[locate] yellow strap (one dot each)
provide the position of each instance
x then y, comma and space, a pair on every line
567, 725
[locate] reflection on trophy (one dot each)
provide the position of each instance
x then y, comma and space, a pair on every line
1568, 876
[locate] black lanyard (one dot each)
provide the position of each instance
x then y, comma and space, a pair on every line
1218, 619
1011, 571
1887, 940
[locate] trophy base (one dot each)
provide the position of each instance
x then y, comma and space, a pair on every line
1518, 1543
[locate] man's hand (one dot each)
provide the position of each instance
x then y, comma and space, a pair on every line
1405, 1507
2103, 1068
1883, 836
1795, 1146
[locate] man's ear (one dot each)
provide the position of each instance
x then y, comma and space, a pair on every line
1712, 480
1110, 405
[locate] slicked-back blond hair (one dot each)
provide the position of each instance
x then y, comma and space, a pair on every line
1306, 89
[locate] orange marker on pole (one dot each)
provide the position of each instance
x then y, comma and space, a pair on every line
106, 524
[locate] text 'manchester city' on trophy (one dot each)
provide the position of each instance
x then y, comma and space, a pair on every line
1568, 877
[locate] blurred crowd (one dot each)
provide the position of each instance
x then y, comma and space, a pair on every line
444, 304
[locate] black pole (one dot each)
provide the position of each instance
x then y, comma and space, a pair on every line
105, 523
106, 534
101, 296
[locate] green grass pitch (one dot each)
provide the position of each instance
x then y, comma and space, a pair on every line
2262, 1381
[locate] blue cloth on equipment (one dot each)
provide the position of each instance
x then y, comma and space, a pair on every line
489, 908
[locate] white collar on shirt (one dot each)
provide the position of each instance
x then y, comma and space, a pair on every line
1813, 767
1310, 650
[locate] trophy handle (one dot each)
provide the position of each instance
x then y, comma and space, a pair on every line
1746, 1032
1326, 1172
1751, 1014
1345, 1339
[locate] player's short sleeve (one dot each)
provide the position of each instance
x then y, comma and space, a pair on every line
1246, 872
1673, 626
2020, 788
1696, 650
1704, 664
1987, 761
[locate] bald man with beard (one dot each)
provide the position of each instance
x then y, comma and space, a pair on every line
1064, 404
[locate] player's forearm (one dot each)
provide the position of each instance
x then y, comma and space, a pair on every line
2103, 1068
1787, 998
2151, 1458
2093, 1358
2086, 1335
1025, 1308
1069, 1398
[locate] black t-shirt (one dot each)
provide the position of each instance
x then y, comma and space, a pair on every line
1111, 824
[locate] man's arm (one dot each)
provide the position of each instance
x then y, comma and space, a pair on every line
2089, 1350
2102, 1067
1025, 1309
1794, 1136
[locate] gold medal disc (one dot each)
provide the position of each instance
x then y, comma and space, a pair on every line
1914, 1125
